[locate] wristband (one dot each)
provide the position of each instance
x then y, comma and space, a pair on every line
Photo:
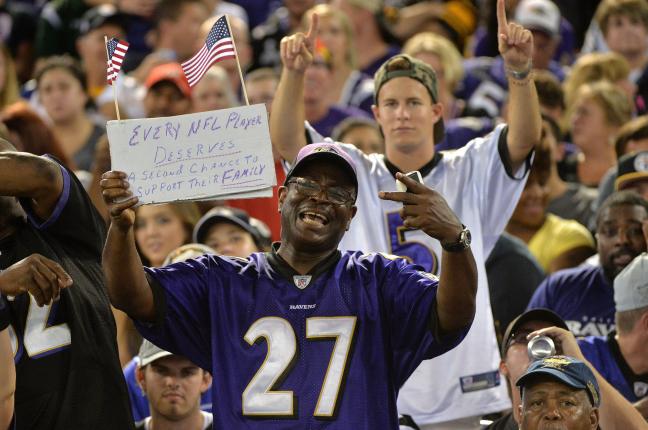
520, 74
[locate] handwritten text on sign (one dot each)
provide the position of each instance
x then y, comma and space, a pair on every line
224, 153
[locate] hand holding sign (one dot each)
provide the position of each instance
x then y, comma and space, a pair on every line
514, 41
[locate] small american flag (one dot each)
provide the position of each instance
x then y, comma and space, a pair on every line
116, 53
218, 46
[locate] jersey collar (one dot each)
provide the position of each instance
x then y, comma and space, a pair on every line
425, 170
300, 281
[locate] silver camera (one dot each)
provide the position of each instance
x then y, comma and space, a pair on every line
540, 347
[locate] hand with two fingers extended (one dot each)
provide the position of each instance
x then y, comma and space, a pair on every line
119, 199
515, 43
296, 50
425, 209
37, 275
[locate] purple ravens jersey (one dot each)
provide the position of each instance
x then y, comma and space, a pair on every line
582, 296
605, 355
328, 349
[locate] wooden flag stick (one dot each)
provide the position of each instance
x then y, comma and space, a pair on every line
238, 64
113, 81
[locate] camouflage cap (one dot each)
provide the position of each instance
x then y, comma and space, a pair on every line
414, 69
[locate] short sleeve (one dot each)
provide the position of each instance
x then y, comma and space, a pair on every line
409, 295
183, 320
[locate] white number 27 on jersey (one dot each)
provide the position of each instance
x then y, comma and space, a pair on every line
260, 400
40, 336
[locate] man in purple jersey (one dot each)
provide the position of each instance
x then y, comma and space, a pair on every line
304, 336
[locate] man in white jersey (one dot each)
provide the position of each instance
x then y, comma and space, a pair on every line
481, 182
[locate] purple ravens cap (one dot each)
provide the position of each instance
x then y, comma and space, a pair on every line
331, 151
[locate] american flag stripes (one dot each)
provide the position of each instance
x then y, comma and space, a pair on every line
116, 53
218, 46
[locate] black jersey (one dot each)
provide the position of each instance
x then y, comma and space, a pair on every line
67, 367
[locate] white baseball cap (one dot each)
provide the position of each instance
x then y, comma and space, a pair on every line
149, 352
541, 15
631, 285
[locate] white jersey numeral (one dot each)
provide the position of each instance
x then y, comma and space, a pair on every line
260, 400
40, 337
340, 329
257, 397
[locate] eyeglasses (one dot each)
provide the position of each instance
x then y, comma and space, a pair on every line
336, 195
519, 338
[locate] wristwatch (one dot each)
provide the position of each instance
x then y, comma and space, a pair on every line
461, 243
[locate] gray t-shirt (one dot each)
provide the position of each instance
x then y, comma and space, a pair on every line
576, 203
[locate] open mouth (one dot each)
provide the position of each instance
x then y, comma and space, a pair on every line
313, 218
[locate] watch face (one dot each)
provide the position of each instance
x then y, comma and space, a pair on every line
466, 238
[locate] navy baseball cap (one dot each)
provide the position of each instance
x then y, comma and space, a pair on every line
537, 314
101, 15
257, 228
324, 150
568, 370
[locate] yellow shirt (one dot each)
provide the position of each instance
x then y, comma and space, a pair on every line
556, 236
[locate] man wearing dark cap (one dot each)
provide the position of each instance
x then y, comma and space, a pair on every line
559, 392
230, 231
632, 173
482, 183
515, 357
167, 91
304, 332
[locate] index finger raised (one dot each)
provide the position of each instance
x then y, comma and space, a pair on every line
312, 29
502, 23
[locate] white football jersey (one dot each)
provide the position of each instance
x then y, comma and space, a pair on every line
465, 381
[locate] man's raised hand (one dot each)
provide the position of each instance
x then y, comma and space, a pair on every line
297, 50
118, 198
514, 41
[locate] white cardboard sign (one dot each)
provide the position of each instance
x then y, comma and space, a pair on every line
208, 155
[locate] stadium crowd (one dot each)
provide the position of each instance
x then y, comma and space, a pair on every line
527, 121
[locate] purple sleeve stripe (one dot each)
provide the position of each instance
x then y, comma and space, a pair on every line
60, 205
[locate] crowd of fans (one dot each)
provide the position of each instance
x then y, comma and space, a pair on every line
547, 165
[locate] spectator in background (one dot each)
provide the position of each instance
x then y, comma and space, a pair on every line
167, 92
621, 357
57, 30
348, 86
584, 296
261, 85
594, 67
100, 21
220, 7
515, 358
369, 43
138, 397
632, 173
363, 133
568, 200
173, 386
63, 92
266, 37
241, 37
175, 36
230, 231
624, 24
9, 92
213, 91
550, 95
555, 242
631, 138
320, 112
30, 133
599, 111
